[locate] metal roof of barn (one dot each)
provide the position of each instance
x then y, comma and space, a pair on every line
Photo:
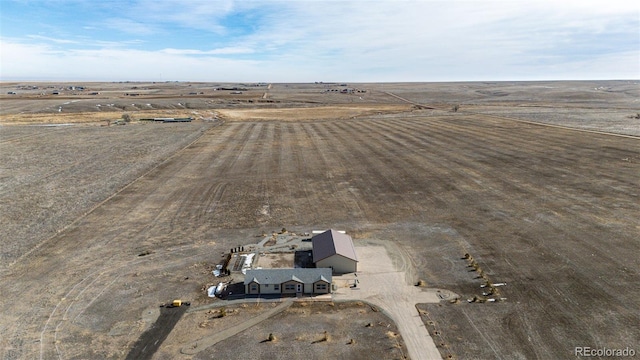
331, 243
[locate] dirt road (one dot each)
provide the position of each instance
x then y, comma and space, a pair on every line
201, 344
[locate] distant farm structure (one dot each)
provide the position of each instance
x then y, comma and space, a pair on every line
168, 120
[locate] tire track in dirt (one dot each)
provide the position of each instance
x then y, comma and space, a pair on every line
418, 170
367, 153
50, 337
17, 139
278, 142
407, 162
258, 155
305, 164
190, 201
355, 209
278, 169
13, 140
123, 189
513, 119
559, 169
209, 341
193, 206
80, 264
75, 189
407, 166
540, 143
416, 154
419, 154
290, 164
464, 167
90, 288
576, 311
243, 163
264, 158
156, 221
574, 199
268, 168
476, 134
238, 140
486, 149
314, 163
635, 137
443, 178
251, 173
65, 316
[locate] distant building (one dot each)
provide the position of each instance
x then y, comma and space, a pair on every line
287, 281
334, 250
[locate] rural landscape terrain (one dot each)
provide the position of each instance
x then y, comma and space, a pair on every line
525, 193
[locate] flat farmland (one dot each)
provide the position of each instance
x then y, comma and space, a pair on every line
552, 212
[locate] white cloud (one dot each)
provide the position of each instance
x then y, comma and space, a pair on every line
358, 40
53, 40
219, 51
41, 62
197, 14
129, 26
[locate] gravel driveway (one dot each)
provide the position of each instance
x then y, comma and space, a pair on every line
384, 285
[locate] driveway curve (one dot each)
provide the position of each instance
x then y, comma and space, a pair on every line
382, 284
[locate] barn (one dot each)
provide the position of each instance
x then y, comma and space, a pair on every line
335, 250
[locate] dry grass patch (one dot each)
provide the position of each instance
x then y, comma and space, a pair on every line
310, 113
92, 117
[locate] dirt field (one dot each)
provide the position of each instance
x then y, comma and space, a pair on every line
553, 212
371, 331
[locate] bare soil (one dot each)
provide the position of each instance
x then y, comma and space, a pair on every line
371, 331
553, 212
275, 260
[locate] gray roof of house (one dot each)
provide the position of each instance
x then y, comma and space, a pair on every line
331, 243
279, 276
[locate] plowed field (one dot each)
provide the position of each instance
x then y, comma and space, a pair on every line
553, 212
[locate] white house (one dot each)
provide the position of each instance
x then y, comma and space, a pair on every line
287, 281
332, 249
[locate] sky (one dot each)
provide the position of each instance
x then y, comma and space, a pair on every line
313, 40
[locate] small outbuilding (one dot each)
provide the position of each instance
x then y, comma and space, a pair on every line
287, 281
335, 250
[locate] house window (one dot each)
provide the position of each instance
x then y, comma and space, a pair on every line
266, 285
254, 287
321, 287
290, 287
276, 286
